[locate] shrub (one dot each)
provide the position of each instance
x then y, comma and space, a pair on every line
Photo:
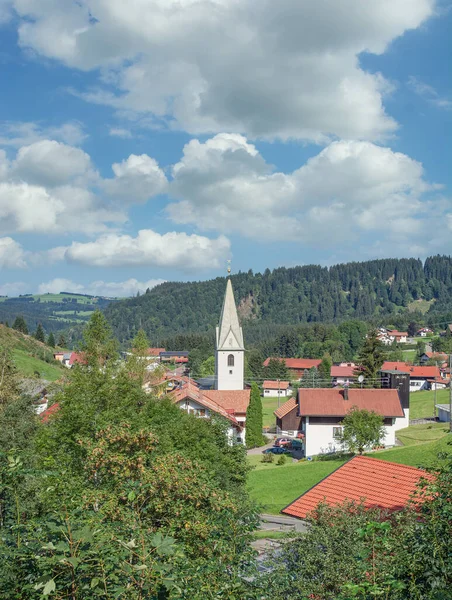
267, 458
281, 460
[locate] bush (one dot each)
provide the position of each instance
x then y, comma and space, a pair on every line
267, 458
281, 460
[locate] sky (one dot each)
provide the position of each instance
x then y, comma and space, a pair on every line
154, 140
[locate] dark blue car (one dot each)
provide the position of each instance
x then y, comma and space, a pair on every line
276, 450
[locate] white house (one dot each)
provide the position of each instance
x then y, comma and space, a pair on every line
317, 414
276, 388
424, 332
443, 412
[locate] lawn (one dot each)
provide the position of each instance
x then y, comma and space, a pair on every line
28, 365
422, 403
274, 486
268, 406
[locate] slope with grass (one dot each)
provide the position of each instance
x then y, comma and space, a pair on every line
32, 358
422, 403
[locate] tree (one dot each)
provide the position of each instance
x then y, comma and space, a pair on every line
371, 359
39, 334
413, 328
61, 341
361, 430
20, 325
9, 388
325, 369
254, 423
208, 367
276, 369
51, 340
312, 379
98, 345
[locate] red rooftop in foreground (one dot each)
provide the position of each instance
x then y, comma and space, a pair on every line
378, 483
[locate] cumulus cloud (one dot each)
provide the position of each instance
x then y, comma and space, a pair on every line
288, 69
348, 189
12, 255
14, 288
24, 133
149, 248
112, 289
136, 179
51, 163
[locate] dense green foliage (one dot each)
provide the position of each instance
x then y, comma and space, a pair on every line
119, 495
361, 430
370, 359
254, 437
377, 289
39, 334
20, 325
51, 340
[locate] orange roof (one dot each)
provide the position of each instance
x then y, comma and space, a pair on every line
77, 357
413, 370
155, 351
286, 408
231, 400
396, 333
380, 484
275, 385
342, 371
52, 410
187, 391
390, 365
297, 363
330, 402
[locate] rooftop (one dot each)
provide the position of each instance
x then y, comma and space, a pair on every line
297, 363
275, 385
331, 402
378, 483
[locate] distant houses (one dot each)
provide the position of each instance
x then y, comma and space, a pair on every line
421, 377
297, 366
391, 336
276, 388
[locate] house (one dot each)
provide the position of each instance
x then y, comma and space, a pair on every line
77, 358
376, 483
443, 412
439, 357
155, 352
49, 412
424, 332
343, 375
317, 413
58, 356
276, 388
399, 337
297, 366
177, 357
421, 377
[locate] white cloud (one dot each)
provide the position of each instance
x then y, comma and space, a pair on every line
16, 133
120, 132
51, 163
12, 255
112, 289
429, 93
149, 248
136, 179
348, 190
288, 69
5, 11
14, 288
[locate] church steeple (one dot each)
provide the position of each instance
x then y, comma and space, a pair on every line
229, 332
229, 355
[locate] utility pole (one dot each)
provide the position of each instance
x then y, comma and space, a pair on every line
279, 390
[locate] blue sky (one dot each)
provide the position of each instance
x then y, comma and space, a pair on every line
156, 139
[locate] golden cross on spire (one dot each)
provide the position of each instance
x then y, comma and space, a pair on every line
229, 267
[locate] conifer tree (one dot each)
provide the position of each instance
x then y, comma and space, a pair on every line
39, 334
254, 437
61, 341
51, 340
325, 369
371, 359
20, 325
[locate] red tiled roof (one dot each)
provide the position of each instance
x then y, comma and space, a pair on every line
77, 357
438, 355
297, 363
187, 391
327, 402
236, 400
155, 351
286, 408
413, 370
380, 483
389, 365
48, 412
396, 333
342, 371
275, 385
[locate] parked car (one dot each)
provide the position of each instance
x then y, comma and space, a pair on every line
276, 450
282, 442
296, 445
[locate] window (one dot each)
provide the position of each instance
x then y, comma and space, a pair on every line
230, 371
231, 360
202, 412
337, 432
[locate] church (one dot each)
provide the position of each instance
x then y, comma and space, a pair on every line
229, 398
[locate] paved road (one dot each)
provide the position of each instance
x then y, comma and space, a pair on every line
259, 450
281, 523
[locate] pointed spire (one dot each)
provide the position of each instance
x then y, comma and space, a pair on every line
229, 332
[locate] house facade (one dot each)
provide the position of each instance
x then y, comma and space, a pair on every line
315, 416
421, 377
343, 374
276, 388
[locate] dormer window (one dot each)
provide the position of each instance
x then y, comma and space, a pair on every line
231, 360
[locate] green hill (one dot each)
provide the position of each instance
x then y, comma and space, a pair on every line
384, 290
32, 358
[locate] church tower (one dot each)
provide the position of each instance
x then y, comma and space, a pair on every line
230, 351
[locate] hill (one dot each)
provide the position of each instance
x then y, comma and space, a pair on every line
56, 312
391, 290
32, 358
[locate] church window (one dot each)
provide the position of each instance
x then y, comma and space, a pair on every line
231, 360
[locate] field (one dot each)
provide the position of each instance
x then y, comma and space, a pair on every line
274, 486
422, 403
268, 406
30, 366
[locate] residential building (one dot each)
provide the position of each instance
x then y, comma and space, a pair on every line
276, 388
316, 415
424, 332
421, 377
343, 374
376, 483
439, 357
58, 356
297, 366
178, 356
443, 412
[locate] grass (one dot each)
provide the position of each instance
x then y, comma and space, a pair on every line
268, 406
274, 486
28, 365
422, 403
268, 534
420, 305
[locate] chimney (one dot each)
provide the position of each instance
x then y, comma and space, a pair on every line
345, 393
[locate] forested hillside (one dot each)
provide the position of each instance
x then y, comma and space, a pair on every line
379, 290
